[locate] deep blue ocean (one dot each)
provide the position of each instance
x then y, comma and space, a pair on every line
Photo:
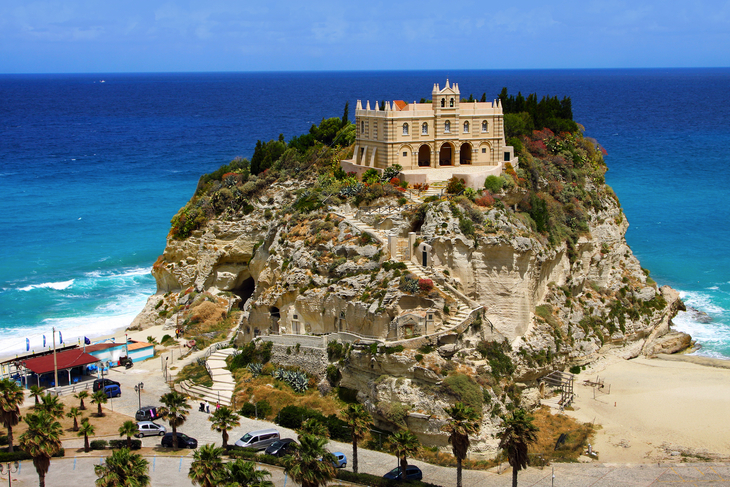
94, 166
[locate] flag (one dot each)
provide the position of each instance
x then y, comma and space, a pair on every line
27, 345
44, 341
87, 341
60, 337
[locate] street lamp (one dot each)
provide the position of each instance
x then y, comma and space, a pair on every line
138, 389
6, 468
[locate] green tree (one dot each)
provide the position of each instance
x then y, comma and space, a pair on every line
81, 396
41, 441
74, 414
123, 469
346, 114
463, 421
244, 474
51, 404
311, 465
358, 419
175, 412
371, 176
11, 397
36, 392
99, 398
87, 429
128, 429
224, 420
519, 432
314, 426
207, 469
404, 444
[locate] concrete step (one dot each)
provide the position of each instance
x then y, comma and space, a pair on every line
217, 364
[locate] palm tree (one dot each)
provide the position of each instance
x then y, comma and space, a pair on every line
81, 396
464, 421
51, 404
128, 429
41, 441
315, 427
517, 435
404, 443
359, 419
11, 397
35, 393
99, 398
207, 469
87, 429
224, 420
311, 465
74, 413
123, 469
245, 474
175, 411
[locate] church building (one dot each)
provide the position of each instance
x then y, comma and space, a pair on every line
445, 133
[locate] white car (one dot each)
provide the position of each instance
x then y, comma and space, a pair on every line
148, 428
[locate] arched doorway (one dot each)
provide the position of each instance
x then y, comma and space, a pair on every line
424, 155
465, 154
446, 155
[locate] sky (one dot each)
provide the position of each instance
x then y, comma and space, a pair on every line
94, 36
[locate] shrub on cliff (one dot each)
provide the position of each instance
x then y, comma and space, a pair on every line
464, 389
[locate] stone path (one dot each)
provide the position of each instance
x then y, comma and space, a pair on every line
223, 383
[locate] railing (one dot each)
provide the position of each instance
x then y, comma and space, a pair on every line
387, 209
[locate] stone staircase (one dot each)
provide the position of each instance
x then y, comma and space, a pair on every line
223, 382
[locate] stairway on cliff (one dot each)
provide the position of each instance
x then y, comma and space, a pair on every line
223, 382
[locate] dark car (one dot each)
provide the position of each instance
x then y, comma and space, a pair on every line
147, 413
282, 447
183, 441
99, 384
412, 473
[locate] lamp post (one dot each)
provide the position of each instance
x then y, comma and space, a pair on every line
10, 469
138, 389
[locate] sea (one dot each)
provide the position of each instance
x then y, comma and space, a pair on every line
94, 166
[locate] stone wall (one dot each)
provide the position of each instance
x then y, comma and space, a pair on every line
312, 360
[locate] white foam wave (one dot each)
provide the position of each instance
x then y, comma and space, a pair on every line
131, 272
701, 301
107, 319
58, 286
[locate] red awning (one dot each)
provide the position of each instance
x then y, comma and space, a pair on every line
64, 360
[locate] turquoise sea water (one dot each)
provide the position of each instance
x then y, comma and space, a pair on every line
92, 172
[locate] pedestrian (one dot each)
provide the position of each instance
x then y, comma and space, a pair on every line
217, 406
207, 408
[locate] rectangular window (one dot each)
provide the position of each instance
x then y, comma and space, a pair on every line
484, 150
405, 154
375, 130
506, 156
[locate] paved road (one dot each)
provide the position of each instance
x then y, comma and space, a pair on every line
173, 471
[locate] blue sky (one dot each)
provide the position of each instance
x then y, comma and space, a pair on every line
73, 36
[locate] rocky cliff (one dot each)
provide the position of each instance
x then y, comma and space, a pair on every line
301, 257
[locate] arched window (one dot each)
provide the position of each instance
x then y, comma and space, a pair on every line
466, 127
485, 126
447, 127
451, 103
443, 102
405, 129
424, 129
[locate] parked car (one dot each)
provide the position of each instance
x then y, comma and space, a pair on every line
340, 460
183, 441
99, 384
148, 428
412, 473
147, 413
113, 390
259, 439
282, 447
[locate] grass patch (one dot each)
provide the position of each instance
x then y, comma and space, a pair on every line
196, 373
551, 427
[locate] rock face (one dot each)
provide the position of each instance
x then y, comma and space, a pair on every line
297, 273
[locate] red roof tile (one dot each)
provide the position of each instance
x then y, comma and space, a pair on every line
64, 360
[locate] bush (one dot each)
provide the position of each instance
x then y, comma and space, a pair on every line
455, 185
19, 455
333, 374
465, 389
116, 444
494, 184
261, 409
425, 285
575, 369
98, 444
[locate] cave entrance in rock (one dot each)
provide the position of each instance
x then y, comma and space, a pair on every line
245, 290
275, 315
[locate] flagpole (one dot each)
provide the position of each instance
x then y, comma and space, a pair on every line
55, 363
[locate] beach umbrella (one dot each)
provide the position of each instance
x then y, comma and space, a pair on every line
27, 345
44, 341
60, 337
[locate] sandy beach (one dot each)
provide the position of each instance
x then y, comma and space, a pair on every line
670, 407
